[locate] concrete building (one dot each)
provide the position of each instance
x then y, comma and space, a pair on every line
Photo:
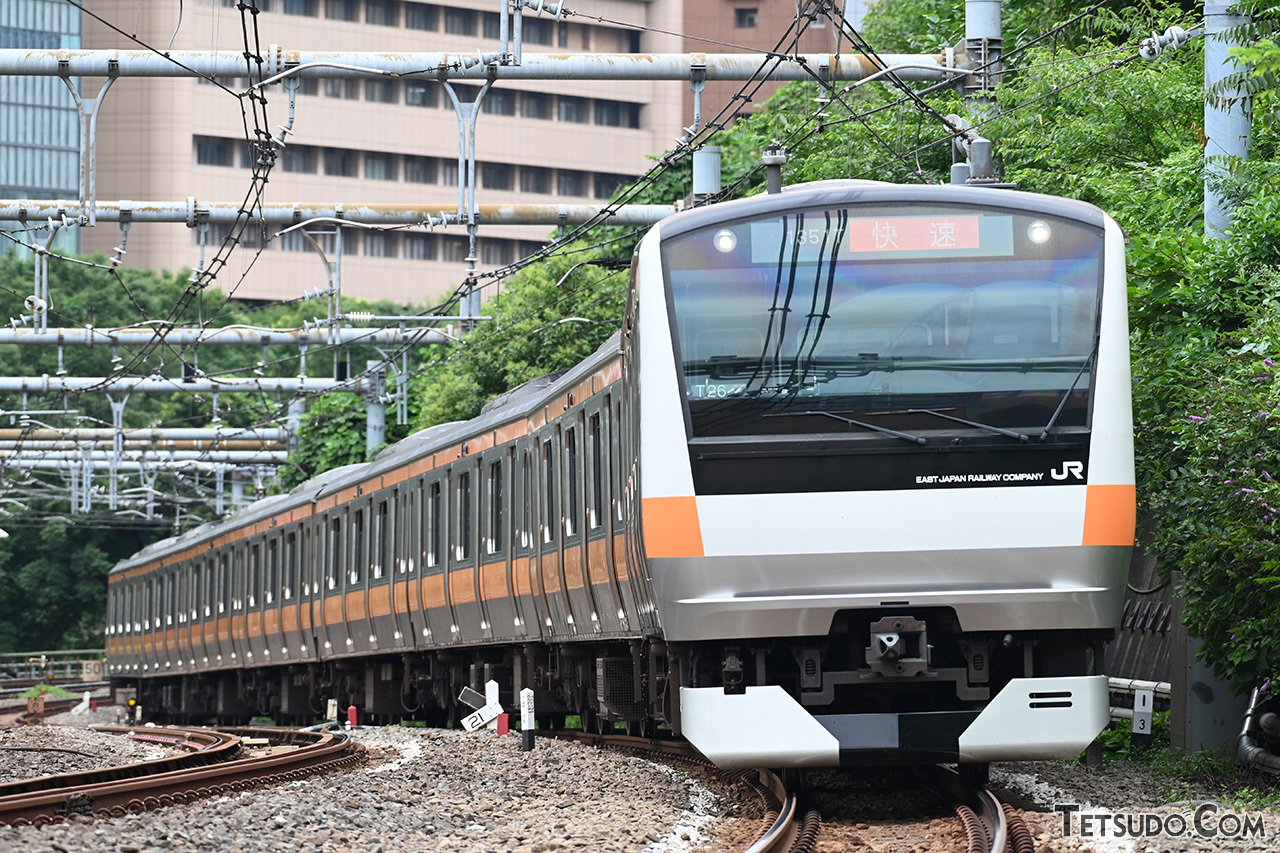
389, 141
374, 140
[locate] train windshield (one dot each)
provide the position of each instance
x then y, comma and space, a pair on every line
900, 311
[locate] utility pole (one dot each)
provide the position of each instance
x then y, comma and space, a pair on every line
1227, 125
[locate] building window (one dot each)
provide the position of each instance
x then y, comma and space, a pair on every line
499, 102
340, 161
300, 7
420, 16
617, 114
381, 12
340, 10
379, 167
535, 105
496, 252
419, 93
349, 89
537, 31
299, 158
460, 22
535, 179
744, 19
454, 249
562, 36
308, 85
420, 247
493, 26
379, 244
380, 91
465, 93
211, 151
419, 170
497, 176
605, 185
572, 109
571, 183
449, 173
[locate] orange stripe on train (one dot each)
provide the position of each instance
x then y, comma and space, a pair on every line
1110, 515
671, 527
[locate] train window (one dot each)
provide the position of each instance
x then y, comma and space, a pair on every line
526, 499
290, 565
549, 480
255, 574
357, 547
432, 555
335, 550
273, 571
218, 585
494, 540
596, 498
154, 596
571, 475
237, 574
462, 512
172, 608
382, 534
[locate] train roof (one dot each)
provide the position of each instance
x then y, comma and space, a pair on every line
841, 192
511, 405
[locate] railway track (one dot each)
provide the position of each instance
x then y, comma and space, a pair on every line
791, 826
215, 762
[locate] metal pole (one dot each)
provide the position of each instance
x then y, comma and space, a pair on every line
1227, 125
984, 47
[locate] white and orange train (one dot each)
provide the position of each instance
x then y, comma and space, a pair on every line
854, 483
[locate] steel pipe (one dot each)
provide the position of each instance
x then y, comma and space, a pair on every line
231, 335
246, 457
162, 384
386, 215
473, 66
221, 435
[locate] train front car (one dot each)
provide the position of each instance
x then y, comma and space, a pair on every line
886, 471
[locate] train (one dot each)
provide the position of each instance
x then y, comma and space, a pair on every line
852, 484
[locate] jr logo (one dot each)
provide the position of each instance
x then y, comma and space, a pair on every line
1069, 469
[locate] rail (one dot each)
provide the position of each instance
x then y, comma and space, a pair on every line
212, 767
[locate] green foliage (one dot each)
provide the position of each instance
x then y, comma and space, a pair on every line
1117, 740
332, 435
54, 574
550, 316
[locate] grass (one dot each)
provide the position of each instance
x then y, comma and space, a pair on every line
1181, 776
50, 691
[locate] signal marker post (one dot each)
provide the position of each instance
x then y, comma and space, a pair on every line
486, 711
526, 719
1143, 700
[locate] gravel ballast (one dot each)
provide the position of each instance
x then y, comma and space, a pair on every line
30, 751
439, 790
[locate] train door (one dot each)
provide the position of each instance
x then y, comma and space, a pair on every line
382, 571
239, 620
574, 575
491, 562
528, 591
462, 586
549, 569
332, 620
403, 573
439, 621
604, 580
294, 626
356, 616
256, 600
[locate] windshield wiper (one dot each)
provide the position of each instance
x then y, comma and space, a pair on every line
1062, 404
976, 424
914, 439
